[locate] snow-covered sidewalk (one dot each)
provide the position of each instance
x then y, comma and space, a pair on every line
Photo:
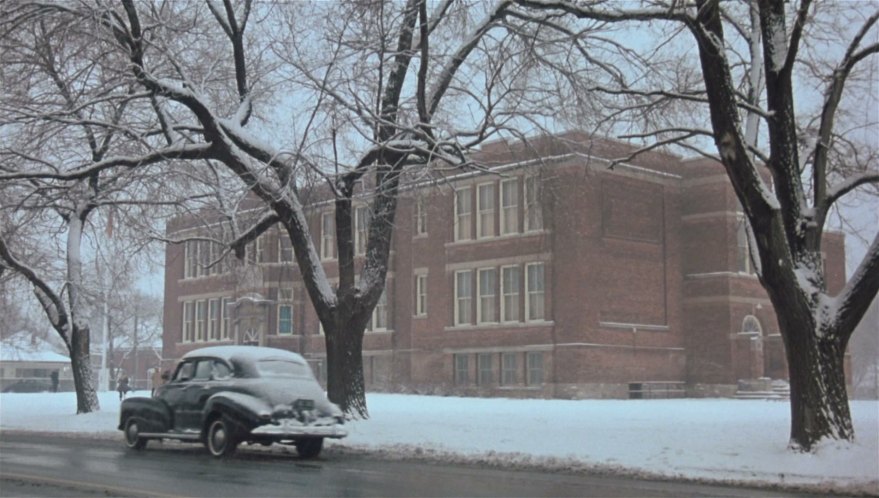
743, 441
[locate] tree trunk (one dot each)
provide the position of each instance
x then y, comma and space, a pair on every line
80, 361
345, 385
819, 402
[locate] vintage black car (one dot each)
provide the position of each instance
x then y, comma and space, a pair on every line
222, 396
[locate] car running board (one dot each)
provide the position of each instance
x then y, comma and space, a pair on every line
169, 435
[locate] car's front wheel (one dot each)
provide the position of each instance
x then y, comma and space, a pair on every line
220, 438
132, 435
309, 448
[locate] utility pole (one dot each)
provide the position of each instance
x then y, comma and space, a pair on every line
134, 352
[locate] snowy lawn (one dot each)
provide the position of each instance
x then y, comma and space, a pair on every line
742, 441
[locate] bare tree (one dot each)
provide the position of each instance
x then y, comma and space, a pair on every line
65, 111
369, 108
813, 163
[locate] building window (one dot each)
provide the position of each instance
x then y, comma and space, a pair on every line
420, 221
483, 367
327, 236
463, 297
463, 214
253, 252
200, 320
217, 261
285, 311
510, 285
190, 258
204, 258
379, 319
420, 295
486, 206
486, 312
743, 248
509, 206
534, 367
533, 209
285, 248
751, 325
188, 321
261, 248
361, 230
509, 369
462, 369
214, 317
535, 296
226, 332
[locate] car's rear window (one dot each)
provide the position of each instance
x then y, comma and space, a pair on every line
281, 368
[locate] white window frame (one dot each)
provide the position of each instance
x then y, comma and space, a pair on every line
529, 293
514, 293
461, 375
743, 247
509, 212
464, 220
201, 310
420, 221
484, 360
188, 321
532, 370
282, 238
482, 295
261, 249
361, 229
327, 236
486, 208
508, 369
533, 206
214, 319
421, 295
226, 319
380, 311
463, 276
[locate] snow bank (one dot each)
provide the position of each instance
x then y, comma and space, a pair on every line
719, 440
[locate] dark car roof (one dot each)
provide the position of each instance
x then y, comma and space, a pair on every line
245, 354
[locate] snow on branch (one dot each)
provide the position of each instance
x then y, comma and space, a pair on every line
200, 151
49, 300
854, 299
267, 221
835, 192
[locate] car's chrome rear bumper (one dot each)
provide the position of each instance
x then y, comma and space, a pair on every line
291, 428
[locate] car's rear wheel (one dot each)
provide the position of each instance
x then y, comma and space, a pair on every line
221, 439
132, 435
309, 448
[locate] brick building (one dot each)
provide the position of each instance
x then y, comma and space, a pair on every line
549, 275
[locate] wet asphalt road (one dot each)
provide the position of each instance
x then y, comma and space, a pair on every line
52, 466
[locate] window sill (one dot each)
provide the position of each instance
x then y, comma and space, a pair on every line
497, 326
508, 236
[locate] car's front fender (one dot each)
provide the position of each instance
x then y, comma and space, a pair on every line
152, 414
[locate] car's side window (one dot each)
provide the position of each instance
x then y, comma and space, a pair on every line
203, 370
221, 371
184, 373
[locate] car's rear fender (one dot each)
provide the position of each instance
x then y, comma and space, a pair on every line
152, 414
246, 410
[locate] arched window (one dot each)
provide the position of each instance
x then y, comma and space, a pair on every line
752, 324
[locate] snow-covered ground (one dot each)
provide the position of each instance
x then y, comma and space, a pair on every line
742, 441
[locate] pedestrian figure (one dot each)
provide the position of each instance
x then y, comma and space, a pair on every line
122, 386
54, 377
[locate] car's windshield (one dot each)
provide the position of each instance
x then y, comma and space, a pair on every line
281, 368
